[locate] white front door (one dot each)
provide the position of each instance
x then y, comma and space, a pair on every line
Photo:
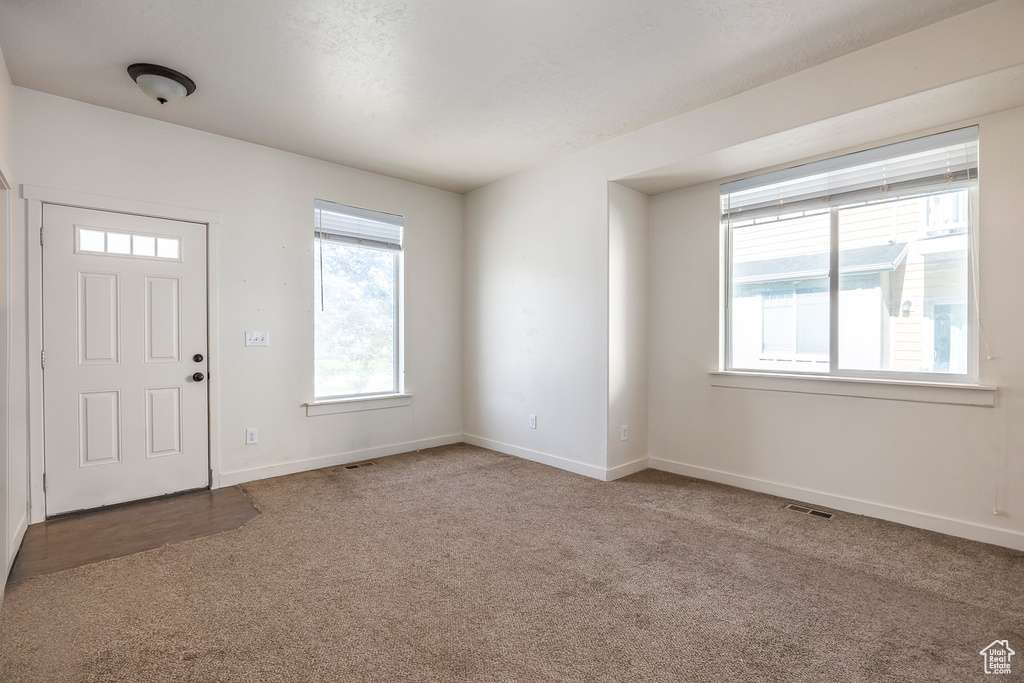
124, 320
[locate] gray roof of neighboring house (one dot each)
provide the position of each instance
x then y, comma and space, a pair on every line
860, 260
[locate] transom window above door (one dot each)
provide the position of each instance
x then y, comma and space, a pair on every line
116, 243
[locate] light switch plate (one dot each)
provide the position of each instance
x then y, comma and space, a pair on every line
257, 338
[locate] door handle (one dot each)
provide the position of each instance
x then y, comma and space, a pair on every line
198, 377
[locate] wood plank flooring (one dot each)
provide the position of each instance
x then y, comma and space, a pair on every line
92, 536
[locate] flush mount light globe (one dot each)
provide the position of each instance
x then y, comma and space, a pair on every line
164, 85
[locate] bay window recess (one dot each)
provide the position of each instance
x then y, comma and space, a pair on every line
863, 265
357, 274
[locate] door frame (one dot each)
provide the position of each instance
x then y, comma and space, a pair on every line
35, 197
11, 541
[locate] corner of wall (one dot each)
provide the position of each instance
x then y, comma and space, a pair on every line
628, 318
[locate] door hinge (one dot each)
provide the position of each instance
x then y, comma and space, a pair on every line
40, 235
44, 481
42, 359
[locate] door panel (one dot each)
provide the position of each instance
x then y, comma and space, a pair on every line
163, 421
162, 320
99, 331
124, 311
99, 424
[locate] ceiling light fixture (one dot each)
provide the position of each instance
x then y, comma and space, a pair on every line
164, 85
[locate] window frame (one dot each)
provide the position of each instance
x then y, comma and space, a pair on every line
398, 355
970, 378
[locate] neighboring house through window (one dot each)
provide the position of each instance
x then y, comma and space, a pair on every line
894, 225
357, 275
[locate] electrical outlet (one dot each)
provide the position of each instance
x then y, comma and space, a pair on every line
533, 422
625, 432
257, 338
252, 435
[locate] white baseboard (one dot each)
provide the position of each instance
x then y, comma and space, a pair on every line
592, 471
575, 466
633, 467
19, 536
921, 520
267, 471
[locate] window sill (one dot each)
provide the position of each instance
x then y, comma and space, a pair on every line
357, 404
890, 390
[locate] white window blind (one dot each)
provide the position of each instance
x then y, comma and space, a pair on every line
372, 229
945, 161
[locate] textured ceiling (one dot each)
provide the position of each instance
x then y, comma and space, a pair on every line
450, 93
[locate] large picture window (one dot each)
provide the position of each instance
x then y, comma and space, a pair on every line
859, 266
357, 268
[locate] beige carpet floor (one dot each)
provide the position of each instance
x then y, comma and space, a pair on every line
460, 564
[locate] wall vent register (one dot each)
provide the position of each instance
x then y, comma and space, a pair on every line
808, 511
358, 465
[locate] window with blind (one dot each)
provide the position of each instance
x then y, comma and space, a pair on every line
862, 265
357, 269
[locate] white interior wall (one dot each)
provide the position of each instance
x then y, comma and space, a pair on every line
265, 275
628, 268
536, 330
951, 72
944, 467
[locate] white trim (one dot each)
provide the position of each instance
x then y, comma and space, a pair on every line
632, 467
11, 544
921, 520
890, 390
400, 384
575, 466
35, 197
34, 346
280, 469
357, 404
213, 347
15, 544
84, 200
